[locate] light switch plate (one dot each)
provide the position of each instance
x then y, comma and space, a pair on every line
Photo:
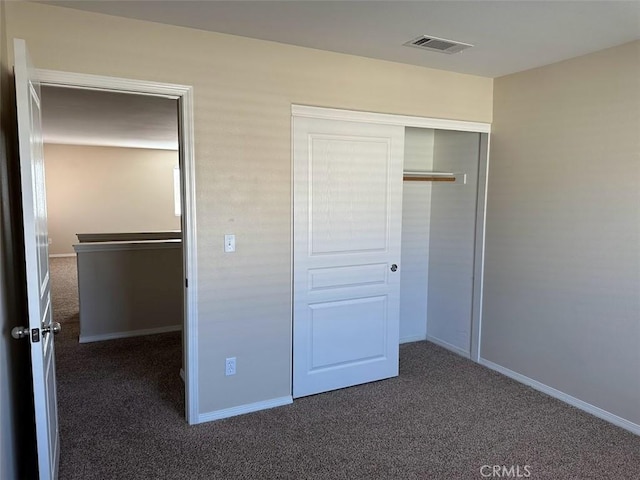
229, 243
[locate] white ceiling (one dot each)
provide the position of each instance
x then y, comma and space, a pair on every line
509, 36
89, 117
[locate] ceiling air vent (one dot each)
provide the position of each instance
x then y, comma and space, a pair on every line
436, 44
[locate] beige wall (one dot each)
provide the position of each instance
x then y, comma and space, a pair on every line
243, 90
107, 189
562, 271
129, 288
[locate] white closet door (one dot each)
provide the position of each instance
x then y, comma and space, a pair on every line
347, 233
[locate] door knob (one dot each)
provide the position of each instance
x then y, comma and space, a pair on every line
54, 327
19, 332
394, 267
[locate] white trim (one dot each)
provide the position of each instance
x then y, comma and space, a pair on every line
126, 245
484, 251
61, 255
576, 402
452, 348
184, 95
129, 333
110, 84
388, 119
242, 409
412, 338
479, 247
189, 252
291, 249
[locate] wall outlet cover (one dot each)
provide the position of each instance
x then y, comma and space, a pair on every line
230, 366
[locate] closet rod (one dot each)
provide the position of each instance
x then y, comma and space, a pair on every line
410, 178
426, 176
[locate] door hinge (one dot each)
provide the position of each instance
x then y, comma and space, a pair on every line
35, 335
186, 283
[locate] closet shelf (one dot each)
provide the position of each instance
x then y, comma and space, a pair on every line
423, 176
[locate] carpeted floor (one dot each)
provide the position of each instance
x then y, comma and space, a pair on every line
121, 417
64, 288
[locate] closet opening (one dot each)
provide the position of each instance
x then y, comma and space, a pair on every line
442, 224
388, 241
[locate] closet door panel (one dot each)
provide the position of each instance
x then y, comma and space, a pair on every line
347, 231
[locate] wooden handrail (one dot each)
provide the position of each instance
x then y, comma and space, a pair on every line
410, 178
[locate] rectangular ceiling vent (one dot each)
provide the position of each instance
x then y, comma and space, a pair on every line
436, 44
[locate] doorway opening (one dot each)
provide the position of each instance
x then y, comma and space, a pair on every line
172, 250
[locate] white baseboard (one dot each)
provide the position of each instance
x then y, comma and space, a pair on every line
129, 333
62, 255
242, 409
413, 338
576, 402
450, 347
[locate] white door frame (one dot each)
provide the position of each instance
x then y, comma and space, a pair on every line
184, 95
483, 174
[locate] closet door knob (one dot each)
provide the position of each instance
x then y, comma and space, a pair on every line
394, 267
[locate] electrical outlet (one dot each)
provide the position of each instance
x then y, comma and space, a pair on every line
230, 366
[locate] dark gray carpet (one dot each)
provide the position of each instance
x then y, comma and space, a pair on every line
121, 417
64, 288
